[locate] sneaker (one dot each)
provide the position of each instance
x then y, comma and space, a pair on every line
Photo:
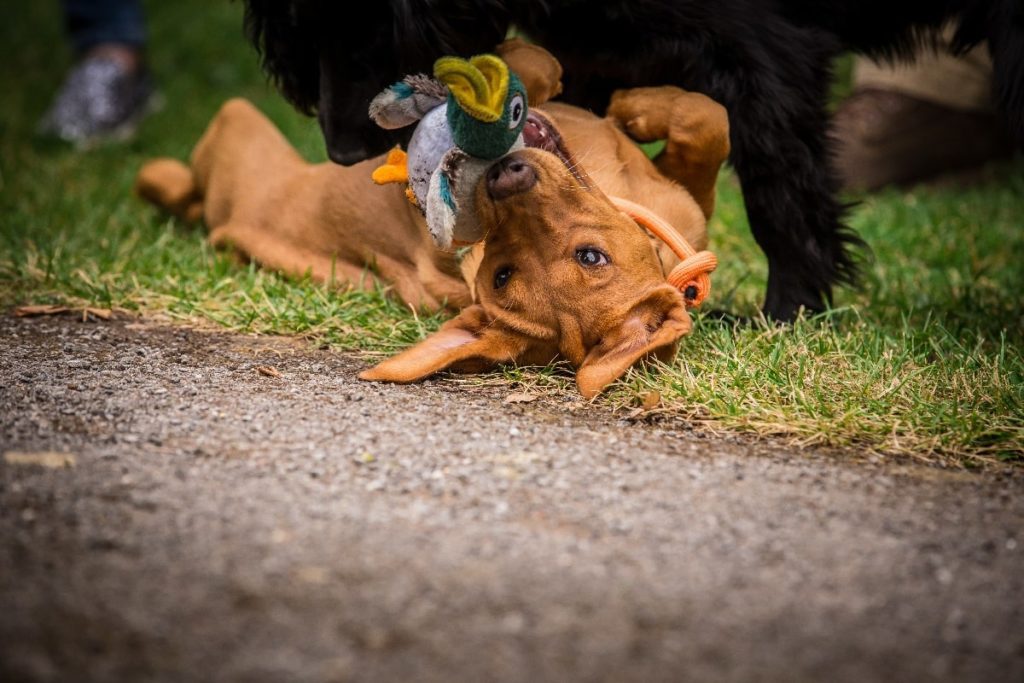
887, 138
101, 99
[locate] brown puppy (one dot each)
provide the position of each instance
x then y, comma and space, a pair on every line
561, 271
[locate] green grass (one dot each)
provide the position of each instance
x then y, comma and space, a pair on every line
925, 361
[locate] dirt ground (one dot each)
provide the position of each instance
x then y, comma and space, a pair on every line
170, 512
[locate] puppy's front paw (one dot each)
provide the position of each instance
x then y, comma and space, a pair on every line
644, 113
701, 125
692, 122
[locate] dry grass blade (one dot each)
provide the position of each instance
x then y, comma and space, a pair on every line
34, 310
40, 309
49, 459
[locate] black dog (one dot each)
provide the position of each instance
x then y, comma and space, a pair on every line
768, 62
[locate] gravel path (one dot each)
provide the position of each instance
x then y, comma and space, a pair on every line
196, 519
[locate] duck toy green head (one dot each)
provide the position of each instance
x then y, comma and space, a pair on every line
486, 104
470, 114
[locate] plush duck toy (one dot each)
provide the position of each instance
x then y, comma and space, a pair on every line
470, 114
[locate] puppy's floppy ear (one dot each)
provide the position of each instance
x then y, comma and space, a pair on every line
472, 342
652, 327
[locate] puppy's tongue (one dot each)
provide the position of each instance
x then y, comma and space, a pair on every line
540, 133
536, 135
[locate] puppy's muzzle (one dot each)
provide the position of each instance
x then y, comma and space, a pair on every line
510, 176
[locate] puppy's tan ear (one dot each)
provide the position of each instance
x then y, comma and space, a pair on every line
652, 327
472, 342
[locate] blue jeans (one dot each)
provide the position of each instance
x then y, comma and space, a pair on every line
93, 22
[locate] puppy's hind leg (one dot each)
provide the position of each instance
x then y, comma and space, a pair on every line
695, 129
292, 258
170, 185
537, 68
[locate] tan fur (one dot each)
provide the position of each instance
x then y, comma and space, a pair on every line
538, 71
256, 194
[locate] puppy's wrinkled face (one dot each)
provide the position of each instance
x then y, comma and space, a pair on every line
564, 273
562, 265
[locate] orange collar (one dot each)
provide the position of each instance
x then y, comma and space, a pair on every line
692, 276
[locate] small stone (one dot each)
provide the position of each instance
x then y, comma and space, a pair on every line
520, 397
364, 458
268, 371
651, 400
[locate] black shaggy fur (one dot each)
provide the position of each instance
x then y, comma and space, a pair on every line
767, 61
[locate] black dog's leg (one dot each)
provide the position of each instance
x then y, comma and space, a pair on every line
795, 219
1006, 43
780, 152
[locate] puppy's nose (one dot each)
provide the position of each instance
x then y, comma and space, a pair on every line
508, 177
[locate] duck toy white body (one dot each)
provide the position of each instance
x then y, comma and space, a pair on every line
469, 115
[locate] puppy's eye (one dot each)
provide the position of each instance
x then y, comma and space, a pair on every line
591, 257
501, 276
515, 111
